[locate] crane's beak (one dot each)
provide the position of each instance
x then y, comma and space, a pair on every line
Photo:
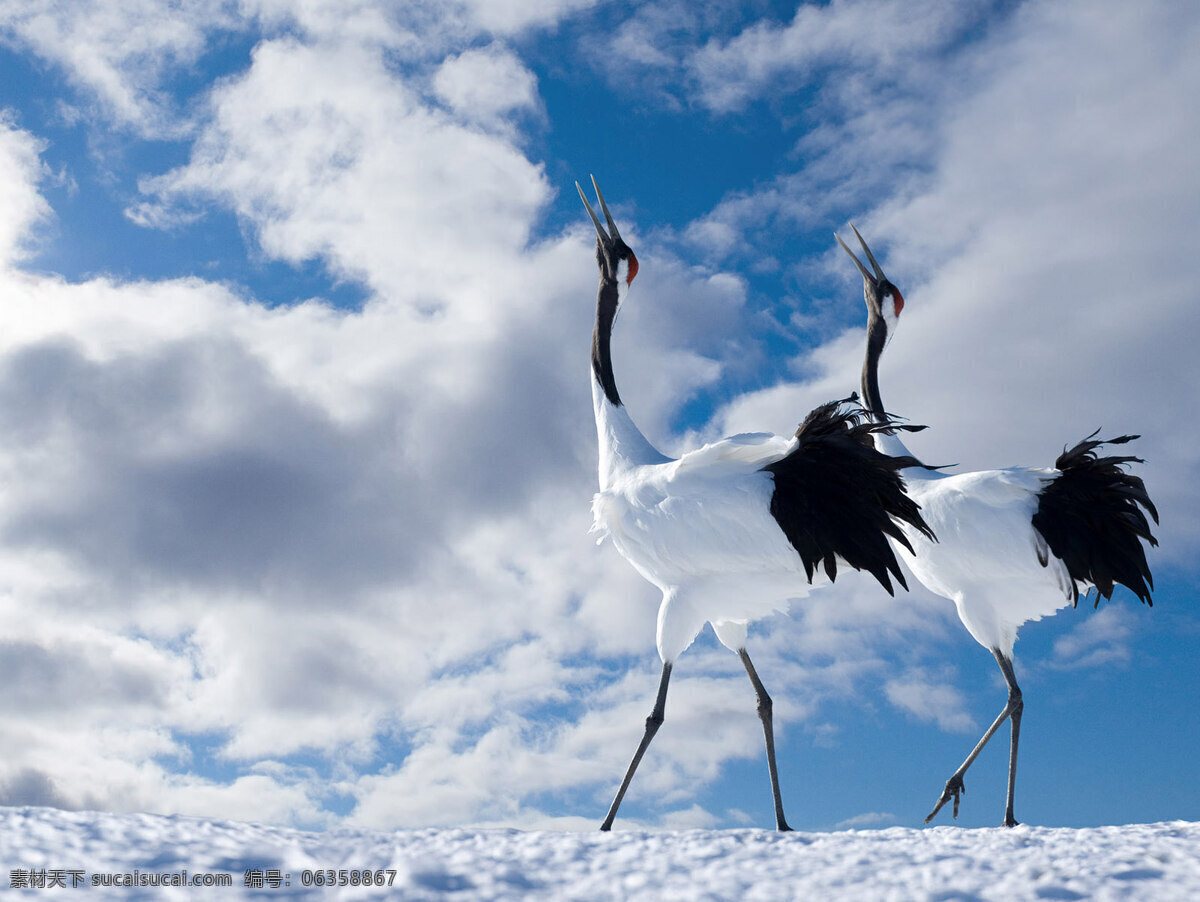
878, 276
612, 234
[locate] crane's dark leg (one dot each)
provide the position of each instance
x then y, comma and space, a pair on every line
1017, 706
764, 714
1013, 708
653, 722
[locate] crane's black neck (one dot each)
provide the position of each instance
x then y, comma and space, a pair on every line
606, 314
876, 340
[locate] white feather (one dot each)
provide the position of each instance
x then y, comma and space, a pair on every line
987, 557
699, 528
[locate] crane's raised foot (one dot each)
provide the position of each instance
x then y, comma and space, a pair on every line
954, 788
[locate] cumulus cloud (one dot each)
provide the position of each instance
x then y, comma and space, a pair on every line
118, 52
30, 787
1101, 640
876, 37
363, 176
124, 54
22, 206
931, 697
486, 85
513, 16
825, 66
866, 820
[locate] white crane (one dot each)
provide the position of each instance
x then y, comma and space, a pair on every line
733, 530
1015, 544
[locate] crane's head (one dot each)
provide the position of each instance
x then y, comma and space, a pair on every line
615, 258
884, 300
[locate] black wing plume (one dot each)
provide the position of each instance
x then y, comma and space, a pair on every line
1091, 517
837, 496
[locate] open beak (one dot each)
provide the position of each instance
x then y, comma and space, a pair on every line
612, 234
874, 279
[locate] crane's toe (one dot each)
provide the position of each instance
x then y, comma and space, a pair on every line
954, 789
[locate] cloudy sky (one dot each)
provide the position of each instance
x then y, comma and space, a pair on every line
296, 448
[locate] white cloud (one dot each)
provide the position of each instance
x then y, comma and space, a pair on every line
118, 51
721, 57
327, 154
1099, 640
409, 30
486, 85
23, 208
513, 16
867, 819
877, 37
931, 697
124, 54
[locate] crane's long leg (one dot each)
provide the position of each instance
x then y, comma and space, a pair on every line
1013, 709
653, 722
1017, 705
764, 714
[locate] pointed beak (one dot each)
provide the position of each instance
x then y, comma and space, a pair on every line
875, 266
592, 213
878, 276
612, 226
862, 269
612, 234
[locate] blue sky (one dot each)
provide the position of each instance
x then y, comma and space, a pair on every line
295, 429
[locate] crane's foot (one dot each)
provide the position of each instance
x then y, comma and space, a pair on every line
954, 789
1010, 821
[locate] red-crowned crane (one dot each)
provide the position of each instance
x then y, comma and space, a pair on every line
1015, 544
733, 530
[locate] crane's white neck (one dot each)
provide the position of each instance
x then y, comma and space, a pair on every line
889, 443
622, 445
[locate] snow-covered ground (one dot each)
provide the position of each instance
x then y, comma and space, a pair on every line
1150, 861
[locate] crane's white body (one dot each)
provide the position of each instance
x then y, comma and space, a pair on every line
699, 528
988, 556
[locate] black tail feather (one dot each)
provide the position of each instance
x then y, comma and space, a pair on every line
1092, 518
837, 496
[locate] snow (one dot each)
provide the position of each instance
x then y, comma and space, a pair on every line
1139, 861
